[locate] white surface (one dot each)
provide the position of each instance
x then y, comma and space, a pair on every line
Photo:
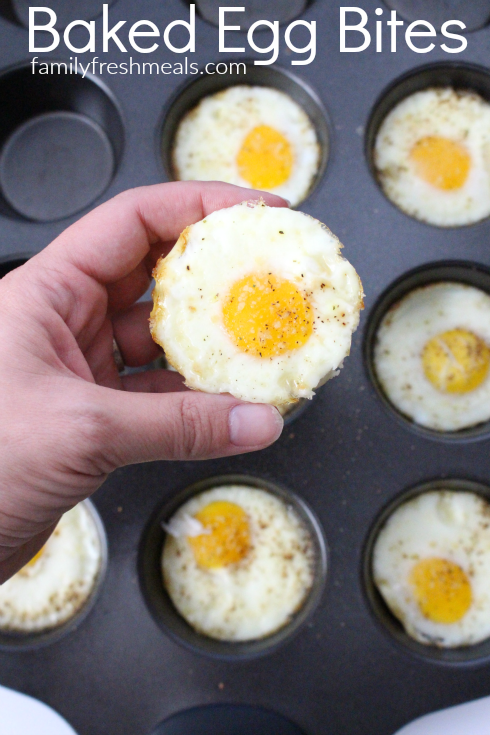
471, 718
23, 715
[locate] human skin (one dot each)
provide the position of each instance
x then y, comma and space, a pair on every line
68, 418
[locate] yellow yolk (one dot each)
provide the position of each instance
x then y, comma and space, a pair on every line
267, 316
442, 590
456, 361
227, 540
441, 162
265, 159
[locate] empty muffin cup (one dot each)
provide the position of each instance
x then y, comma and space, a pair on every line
61, 140
451, 589
432, 342
473, 13
70, 568
426, 144
283, 11
232, 719
17, 11
265, 129
207, 565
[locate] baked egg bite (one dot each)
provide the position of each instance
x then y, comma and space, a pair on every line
432, 356
256, 137
432, 156
256, 301
237, 562
431, 564
55, 584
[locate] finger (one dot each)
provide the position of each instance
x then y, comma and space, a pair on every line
154, 381
136, 427
128, 289
109, 242
133, 337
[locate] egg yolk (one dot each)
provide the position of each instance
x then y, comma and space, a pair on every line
442, 590
227, 540
441, 162
266, 158
456, 361
267, 316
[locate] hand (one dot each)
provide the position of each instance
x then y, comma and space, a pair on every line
67, 417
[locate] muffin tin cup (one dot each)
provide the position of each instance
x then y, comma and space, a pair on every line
459, 76
461, 656
232, 719
283, 11
17, 11
473, 13
461, 271
28, 641
61, 141
188, 96
161, 606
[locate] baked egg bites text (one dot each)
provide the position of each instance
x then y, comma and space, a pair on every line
432, 156
432, 356
256, 137
237, 562
256, 301
431, 564
58, 580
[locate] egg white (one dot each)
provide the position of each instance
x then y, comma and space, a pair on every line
451, 525
462, 117
210, 256
256, 596
405, 329
57, 585
210, 136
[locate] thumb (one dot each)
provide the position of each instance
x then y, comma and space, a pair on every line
140, 427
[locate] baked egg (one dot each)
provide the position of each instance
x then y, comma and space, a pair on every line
431, 564
237, 562
432, 156
256, 137
432, 356
56, 583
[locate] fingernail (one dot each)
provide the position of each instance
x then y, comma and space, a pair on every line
254, 425
288, 202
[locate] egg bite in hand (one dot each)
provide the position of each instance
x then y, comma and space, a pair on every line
431, 564
256, 301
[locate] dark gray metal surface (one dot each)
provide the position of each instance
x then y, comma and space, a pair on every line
118, 674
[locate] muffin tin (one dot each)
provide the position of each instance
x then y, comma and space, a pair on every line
346, 670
